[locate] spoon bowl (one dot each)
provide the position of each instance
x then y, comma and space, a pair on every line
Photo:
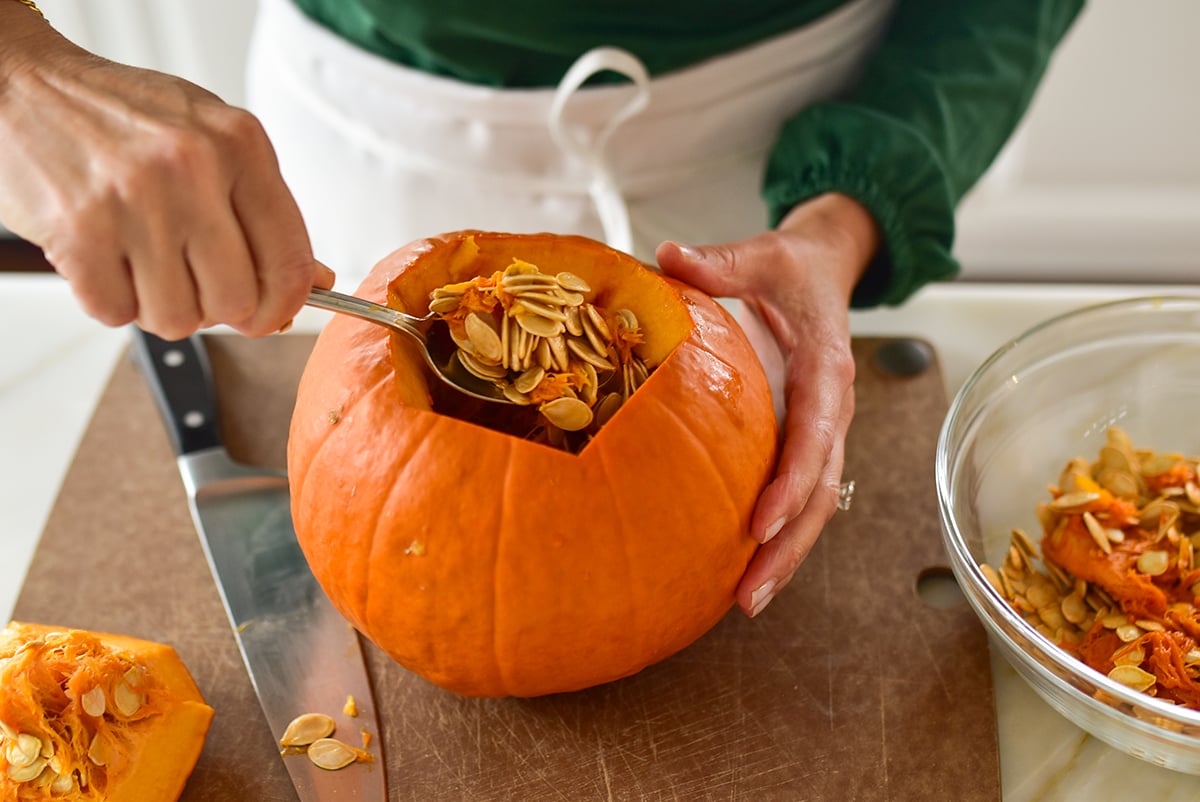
440, 352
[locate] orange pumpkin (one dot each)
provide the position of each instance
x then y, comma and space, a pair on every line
495, 566
95, 716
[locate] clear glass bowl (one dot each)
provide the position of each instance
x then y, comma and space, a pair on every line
1042, 399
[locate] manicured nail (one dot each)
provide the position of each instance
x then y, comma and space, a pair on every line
773, 529
760, 598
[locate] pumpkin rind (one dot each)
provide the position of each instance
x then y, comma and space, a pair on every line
494, 566
160, 745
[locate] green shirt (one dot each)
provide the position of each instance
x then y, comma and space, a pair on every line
937, 100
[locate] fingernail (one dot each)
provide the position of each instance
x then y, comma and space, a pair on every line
760, 598
689, 252
773, 529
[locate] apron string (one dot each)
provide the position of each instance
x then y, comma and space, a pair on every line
590, 151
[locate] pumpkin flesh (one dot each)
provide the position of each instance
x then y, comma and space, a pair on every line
120, 719
495, 566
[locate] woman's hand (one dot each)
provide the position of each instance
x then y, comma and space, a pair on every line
158, 202
797, 279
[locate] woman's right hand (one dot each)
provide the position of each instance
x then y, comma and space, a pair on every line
157, 201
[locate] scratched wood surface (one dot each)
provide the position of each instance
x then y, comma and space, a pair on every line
848, 687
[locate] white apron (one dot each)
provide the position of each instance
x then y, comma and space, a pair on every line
378, 154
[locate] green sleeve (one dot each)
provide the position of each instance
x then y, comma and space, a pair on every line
935, 103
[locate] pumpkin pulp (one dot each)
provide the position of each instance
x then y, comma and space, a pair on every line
95, 716
487, 258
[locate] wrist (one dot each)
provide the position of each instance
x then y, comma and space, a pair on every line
25, 36
844, 225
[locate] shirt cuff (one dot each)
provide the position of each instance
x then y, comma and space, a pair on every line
888, 167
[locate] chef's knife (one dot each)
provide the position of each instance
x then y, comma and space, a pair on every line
302, 655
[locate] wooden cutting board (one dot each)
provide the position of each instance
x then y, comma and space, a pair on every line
848, 687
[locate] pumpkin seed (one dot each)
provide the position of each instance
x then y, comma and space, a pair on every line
1074, 609
569, 298
483, 332
459, 335
568, 414
558, 351
1153, 563
1119, 482
553, 299
93, 702
539, 325
529, 379
481, 369
1114, 621
523, 304
1129, 656
591, 384
63, 784
23, 750
1097, 532
570, 281
98, 751
520, 281
574, 322
1159, 464
127, 700
581, 350
1073, 502
445, 304
25, 773
307, 728
1133, 677
607, 407
514, 395
331, 754
1128, 633
595, 329
542, 356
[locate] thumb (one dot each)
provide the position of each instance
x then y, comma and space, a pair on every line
707, 267
323, 276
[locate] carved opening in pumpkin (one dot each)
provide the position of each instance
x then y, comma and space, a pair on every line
614, 281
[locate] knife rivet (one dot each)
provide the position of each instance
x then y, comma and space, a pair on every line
173, 358
193, 419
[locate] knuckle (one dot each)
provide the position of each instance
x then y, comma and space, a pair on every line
173, 326
108, 308
233, 310
241, 130
109, 312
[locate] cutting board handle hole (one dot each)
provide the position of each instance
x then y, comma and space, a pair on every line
937, 587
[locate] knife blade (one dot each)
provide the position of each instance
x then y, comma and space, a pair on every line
301, 654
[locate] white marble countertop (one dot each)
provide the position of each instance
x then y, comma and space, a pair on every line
54, 361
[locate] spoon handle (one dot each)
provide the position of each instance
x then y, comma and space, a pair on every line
348, 304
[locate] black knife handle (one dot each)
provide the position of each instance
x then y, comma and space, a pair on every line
181, 380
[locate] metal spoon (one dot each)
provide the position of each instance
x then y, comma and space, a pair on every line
440, 352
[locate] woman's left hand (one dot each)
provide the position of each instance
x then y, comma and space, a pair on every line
797, 279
